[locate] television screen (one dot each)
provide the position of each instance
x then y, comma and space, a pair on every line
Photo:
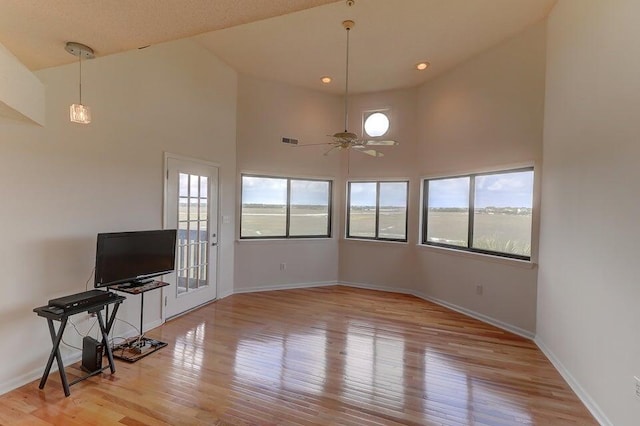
134, 257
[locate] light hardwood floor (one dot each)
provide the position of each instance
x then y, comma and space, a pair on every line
327, 356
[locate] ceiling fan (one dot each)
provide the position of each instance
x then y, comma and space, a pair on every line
347, 139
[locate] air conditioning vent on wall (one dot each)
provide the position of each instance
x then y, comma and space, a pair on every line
290, 141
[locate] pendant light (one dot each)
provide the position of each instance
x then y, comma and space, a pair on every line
79, 113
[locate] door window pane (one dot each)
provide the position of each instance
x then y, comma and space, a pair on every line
448, 214
309, 201
183, 185
392, 217
264, 202
502, 214
362, 209
193, 233
204, 186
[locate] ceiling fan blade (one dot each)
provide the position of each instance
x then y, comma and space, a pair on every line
331, 150
371, 152
376, 142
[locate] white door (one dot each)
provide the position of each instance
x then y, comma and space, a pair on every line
191, 207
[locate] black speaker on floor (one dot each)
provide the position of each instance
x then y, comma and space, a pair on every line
92, 351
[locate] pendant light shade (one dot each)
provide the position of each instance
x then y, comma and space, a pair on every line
79, 113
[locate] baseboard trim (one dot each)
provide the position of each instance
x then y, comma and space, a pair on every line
67, 360
480, 317
376, 287
293, 286
586, 399
36, 374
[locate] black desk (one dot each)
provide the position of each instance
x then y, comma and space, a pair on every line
56, 337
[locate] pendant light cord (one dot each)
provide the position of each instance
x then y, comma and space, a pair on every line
80, 80
346, 87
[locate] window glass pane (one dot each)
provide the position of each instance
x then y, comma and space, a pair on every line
204, 209
193, 279
448, 211
203, 276
193, 232
204, 186
309, 208
183, 208
264, 202
193, 209
393, 210
194, 185
502, 216
376, 124
183, 185
182, 281
362, 209
182, 257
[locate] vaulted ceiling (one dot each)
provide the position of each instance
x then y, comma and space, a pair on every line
293, 41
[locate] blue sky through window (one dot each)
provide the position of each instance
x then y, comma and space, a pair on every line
273, 191
494, 190
393, 194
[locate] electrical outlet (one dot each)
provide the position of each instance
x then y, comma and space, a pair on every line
283, 266
479, 289
637, 386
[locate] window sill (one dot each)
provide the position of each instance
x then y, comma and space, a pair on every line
365, 240
283, 240
525, 264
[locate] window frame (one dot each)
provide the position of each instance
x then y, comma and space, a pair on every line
377, 215
471, 219
287, 235
366, 114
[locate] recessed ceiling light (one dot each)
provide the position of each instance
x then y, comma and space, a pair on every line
326, 80
422, 66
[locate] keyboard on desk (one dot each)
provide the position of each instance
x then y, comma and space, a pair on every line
79, 300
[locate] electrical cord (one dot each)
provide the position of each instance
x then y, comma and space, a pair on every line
71, 346
86, 286
111, 341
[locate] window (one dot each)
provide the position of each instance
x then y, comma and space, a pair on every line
487, 213
377, 210
376, 124
277, 207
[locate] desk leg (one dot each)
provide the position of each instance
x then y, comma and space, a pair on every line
141, 312
105, 335
56, 338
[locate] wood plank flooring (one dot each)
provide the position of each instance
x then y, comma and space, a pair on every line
321, 356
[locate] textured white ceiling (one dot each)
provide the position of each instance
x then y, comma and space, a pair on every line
293, 41
35, 31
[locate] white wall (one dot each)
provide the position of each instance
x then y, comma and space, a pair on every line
64, 183
21, 93
486, 114
268, 111
376, 264
588, 289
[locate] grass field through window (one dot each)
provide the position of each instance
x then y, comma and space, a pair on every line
270, 220
503, 230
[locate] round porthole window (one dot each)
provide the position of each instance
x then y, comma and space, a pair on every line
377, 124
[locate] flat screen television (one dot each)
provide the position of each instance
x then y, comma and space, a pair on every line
134, 257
